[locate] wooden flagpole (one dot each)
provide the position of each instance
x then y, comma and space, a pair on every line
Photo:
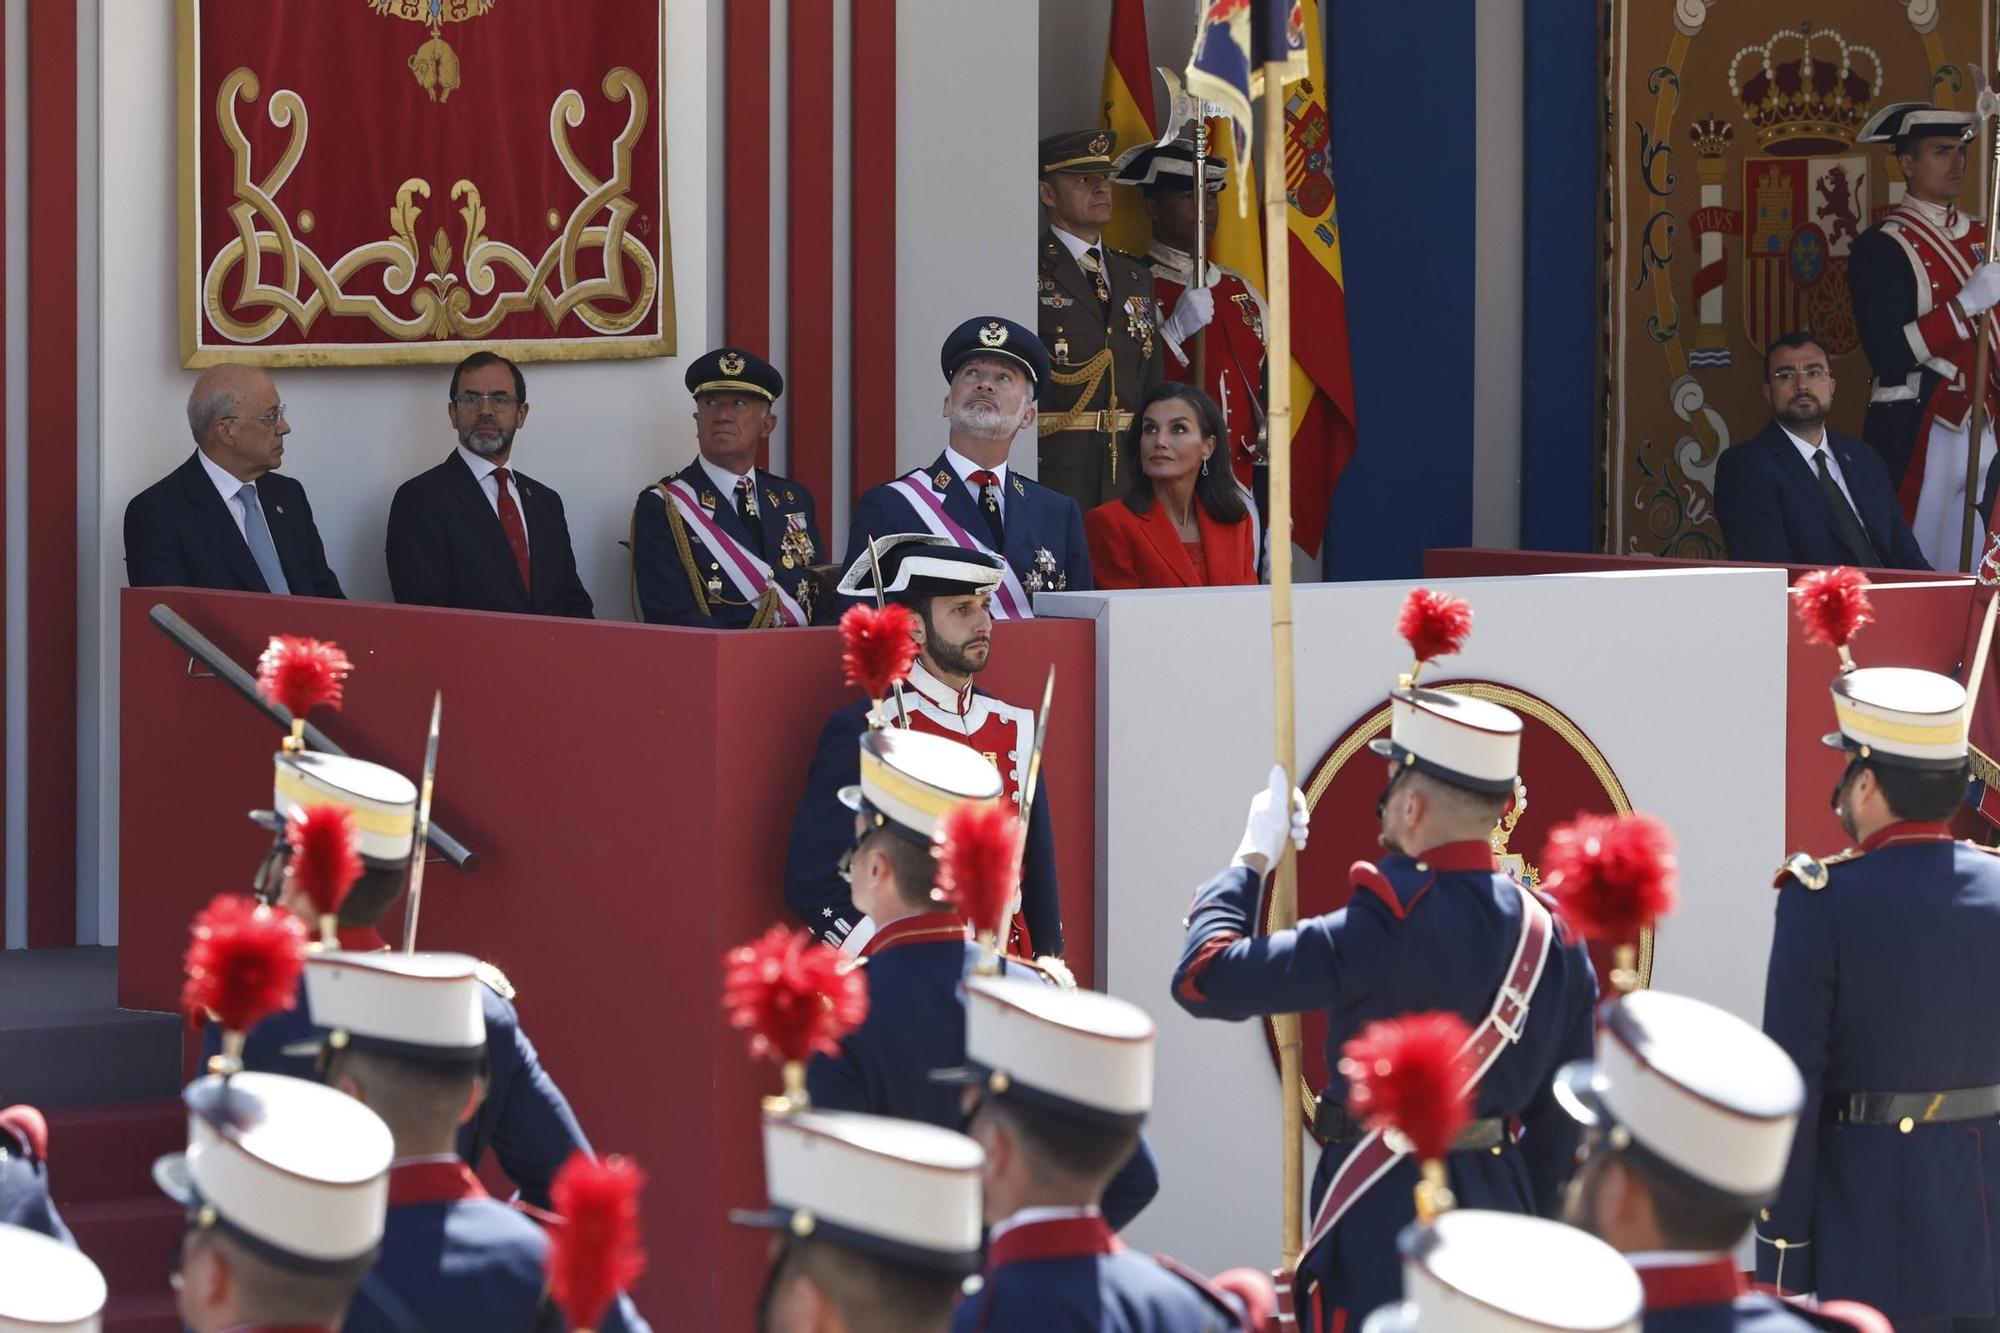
1982, 360
1278, 419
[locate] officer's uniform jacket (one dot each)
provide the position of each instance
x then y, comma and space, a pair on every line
525, 1119
24, 1174
1902, 275
678, 580
1882, 980
916, 1024
1420, 934
1688, 1293
823, 829
1070, 1272
455, 1258
1233, 349
1042, 530
1103, 356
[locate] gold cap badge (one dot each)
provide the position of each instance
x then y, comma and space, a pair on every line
994, 334
1101, 144
731, 363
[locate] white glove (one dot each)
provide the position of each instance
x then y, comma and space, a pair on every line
1264, 833
1196, 308
1981, 291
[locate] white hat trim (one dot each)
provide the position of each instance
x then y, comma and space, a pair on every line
810, 1166
1459, 744
414, 999
1483, 1272
48, 1287
1014, 1028
320, 1220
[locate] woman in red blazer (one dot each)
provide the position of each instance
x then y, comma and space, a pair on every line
1183, 523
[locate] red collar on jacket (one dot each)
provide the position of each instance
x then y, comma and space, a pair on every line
923, 928
1908, 830
1678, 1286
1473, 854
1058, 1238
433, 1182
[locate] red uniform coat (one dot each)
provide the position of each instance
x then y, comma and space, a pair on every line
1132, 550
1233, 349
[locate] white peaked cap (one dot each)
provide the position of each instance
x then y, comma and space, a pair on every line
1902, 715
1455, 738
45, 1286
422, 1005
1078, 1053
1479, 1272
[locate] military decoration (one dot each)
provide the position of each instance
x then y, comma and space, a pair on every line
1060, 351
714, 579
1044, 576
707, 498
1139, 322
942, 481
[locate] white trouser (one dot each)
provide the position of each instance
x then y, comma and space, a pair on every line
1940, 521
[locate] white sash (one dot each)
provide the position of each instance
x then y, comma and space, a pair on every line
750, 576
1011, 600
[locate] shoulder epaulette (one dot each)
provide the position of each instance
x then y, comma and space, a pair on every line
1052, 970
1810, 871
1127, 254
495, 980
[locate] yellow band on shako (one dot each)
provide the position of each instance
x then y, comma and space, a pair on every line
367, 819
1853, 722
897, 787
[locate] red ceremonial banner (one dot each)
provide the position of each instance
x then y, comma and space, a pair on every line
385, 181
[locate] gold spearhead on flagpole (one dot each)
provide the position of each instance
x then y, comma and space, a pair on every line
420, 848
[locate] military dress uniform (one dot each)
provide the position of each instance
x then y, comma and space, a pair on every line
24, 1174
1100, 322
1879, 955
1445, 929
1902, 275
1083, 1058
50, 1286
1473, 1271
710, 556
1040, 534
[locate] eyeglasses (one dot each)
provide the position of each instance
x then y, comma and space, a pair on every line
1811, 375
270, 418
469, 400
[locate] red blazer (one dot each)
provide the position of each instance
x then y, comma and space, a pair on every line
1129, 550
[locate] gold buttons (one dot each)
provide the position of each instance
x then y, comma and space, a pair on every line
997, 1082
1495, 1150
1621, 1138
1906, 1124
1781, 1243
337, 1039
1764, 1215
803, 1223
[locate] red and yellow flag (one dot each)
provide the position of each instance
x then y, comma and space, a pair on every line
1127, 110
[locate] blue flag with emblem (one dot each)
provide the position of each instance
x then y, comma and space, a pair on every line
1233, 41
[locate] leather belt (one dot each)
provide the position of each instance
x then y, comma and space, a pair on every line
1907, 1110
1332, 1123
1103, 422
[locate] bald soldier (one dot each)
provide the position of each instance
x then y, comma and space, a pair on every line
225, 518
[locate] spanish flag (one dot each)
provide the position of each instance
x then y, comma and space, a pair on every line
1127, 111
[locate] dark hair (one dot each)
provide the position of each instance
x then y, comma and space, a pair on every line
1791, 341
1216, 491
1689, 1219
1086, 1153
373, 893
1927, 795
269, 1294
870, 1290
914, 868
481, 360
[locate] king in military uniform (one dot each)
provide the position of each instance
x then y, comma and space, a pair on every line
1098, 318
724, 544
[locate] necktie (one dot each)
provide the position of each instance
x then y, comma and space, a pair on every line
1093, 264
989, 503
746, 509
512, 527
257, 532
1844, 518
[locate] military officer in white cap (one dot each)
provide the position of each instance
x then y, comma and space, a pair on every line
1690, 1113
1472, 1271
1435, 925
877, 1223
285, 1184
1881, 989
47, 1286
1058, 1083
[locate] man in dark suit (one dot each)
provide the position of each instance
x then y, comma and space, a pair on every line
474, 533
1799, 494
225, 518
723, 543
994, 370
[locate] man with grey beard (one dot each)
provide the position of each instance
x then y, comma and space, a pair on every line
994, 370
472, 532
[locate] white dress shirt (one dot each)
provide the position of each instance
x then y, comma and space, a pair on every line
227, 486
1077, 245
1811, 453
725, 481
965, 467
489, 486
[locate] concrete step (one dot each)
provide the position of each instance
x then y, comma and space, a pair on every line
133, 1241
88, 1057
100, 1154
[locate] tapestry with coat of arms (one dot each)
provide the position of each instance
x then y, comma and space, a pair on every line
1735, 194
396, 181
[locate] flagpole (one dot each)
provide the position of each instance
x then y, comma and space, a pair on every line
1278, 420
1199, 278
1977, 423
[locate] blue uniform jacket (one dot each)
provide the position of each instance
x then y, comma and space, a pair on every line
525, 1119
1883, 981
664, 583
1073, 1276
916, 1024
1435, 933
454, 1258
1711, 1297
823, 830
24, 1175
1771, 506
1038, 522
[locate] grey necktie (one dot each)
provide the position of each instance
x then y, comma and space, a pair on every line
258, 533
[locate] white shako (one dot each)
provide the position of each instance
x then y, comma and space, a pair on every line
1079, 1055
417, 1006
46, 1286
1472, 1271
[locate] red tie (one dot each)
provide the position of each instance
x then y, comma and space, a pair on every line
510, 524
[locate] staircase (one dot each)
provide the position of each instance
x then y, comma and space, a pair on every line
109, 1081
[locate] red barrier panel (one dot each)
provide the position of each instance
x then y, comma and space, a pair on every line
628, 790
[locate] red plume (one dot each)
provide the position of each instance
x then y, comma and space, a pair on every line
326, 855
1435, 623
978, 851
243, 962
1833, 605
879, 647
302, 674
595, 1252
793, 996
1612, 876
1407, 1074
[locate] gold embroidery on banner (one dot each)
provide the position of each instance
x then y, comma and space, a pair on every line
435, 64
441, 308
